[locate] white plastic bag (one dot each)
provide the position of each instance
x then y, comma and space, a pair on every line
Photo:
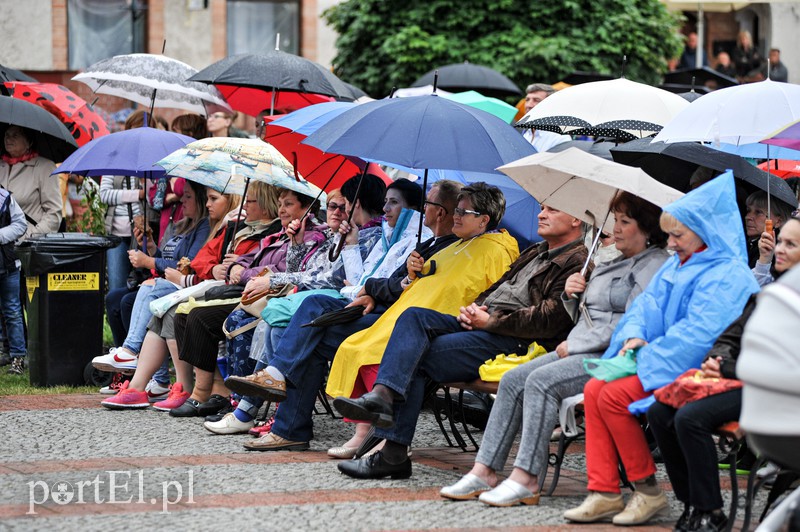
160, 306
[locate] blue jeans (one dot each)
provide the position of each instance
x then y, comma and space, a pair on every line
118, 264
119, 309
302, 356
140, 316
12, 313
428, 343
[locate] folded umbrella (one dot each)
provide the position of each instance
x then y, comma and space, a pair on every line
337, 317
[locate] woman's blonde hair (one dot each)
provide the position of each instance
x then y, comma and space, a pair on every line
233, 201
266, 197
669, 223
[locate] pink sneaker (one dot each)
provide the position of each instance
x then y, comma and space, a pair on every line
127, 399
175, 398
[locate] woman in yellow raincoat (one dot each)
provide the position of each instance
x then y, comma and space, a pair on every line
463, 271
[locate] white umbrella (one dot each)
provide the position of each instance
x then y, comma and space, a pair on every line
154, 81
736, 115
617, 108
583, 185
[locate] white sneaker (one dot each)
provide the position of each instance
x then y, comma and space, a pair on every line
156, 392
229, 424
117, 360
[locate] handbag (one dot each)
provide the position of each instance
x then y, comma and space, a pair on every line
611, 369
254, 306
691, 386
493, 370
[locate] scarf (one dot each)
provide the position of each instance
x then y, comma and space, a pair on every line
11, 161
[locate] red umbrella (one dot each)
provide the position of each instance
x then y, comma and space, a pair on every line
782, 168
251, 101
68, 107
326, 170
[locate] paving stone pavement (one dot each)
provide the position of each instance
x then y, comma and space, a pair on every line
61, 455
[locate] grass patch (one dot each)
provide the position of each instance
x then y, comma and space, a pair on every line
21, 385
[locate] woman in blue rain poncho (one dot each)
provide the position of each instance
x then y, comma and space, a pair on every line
673, 323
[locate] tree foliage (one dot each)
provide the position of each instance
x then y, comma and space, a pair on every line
386, 43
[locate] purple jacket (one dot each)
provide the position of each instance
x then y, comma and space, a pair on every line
272, 252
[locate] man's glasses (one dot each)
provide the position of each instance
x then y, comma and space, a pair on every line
336, 206
458, 211
436, 205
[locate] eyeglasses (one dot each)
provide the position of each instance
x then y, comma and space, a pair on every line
458, 211
218, 115
336, 206
436, 205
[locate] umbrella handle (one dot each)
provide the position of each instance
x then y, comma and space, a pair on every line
431, 270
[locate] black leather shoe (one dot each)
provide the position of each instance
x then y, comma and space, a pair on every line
214, 404
369, 407
190, 408
374, 466
221, 414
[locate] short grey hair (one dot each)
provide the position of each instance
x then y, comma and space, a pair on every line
540, 87
486, 199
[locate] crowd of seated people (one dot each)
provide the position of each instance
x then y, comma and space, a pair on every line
438, 309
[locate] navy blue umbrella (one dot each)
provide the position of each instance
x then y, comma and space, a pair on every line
423, 132
132, 152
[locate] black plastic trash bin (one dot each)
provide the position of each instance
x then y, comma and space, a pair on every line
65, 281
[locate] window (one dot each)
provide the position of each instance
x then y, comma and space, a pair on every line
99, 29
254, 24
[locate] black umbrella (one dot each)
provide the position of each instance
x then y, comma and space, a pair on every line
707, 77
600, 147
680, 88
578, 77
465, 76
12, 74
274, 70
52, 139
673, 164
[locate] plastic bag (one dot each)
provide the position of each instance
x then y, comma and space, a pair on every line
160, 306
493, 370
611, 369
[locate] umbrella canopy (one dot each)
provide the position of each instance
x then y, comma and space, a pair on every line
274, 71
675, 163
12, 74
737, 115
782, 168
498, 108
601, 148
522, 209
785, 137
703, 76
253, 101
618, 108
422, 132
132, 152
578, 77
309, 119
143, 77
583, 185
68, 107
326, 170
52, 139
460, 77
214, 161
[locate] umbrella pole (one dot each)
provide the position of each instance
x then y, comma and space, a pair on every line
272, 103
308, 210
768, 221
334, 253
152, 104
238, 215
432, 267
